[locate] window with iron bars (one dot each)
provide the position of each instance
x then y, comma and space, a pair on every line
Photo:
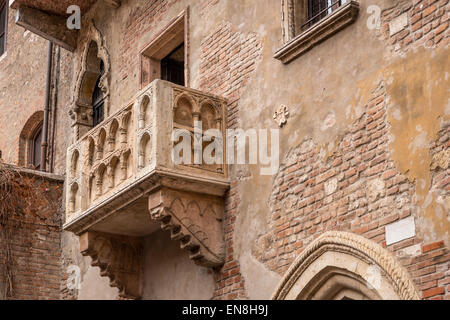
319, 9
305, 23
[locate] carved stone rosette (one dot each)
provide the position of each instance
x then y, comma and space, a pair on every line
194, 220
120, 258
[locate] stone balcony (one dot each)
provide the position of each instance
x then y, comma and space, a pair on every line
121, 180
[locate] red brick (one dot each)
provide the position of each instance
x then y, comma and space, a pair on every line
432, 246
432, 292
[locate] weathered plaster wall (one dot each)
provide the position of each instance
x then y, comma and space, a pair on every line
326, 90
170, 274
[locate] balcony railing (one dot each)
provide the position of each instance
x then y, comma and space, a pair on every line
136, 141
121, 178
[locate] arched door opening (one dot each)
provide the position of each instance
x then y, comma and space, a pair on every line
343, 266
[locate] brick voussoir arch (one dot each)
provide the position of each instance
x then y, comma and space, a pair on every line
355, 245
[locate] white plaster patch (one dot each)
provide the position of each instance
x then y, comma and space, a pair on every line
397, 114
400, 230
398, 24
376, 188
413, 251
329, 121
289, 203
420, 141
331, 186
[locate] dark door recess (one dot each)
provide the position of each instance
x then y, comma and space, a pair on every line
172, 66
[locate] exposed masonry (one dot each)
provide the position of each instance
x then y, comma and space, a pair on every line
206, 5
140, 21
430, 268
440, 166
228, 60
356, 189
35, 245
426, 25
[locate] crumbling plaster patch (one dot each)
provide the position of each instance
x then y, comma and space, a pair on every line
420, 97
417, 89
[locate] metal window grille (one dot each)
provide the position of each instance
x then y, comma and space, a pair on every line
319, 9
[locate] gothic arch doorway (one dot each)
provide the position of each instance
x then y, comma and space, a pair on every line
342, 265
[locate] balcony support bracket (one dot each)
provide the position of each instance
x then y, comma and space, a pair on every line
195, 220
120, 258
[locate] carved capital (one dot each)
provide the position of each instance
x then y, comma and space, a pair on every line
119, 258
195, 220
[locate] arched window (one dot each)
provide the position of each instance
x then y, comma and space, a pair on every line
98, 100
35, 148
30, 141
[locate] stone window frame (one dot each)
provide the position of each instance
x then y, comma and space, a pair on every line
5, 6
165, 41
295, 41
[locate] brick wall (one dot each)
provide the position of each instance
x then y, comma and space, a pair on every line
142, 19
228, 60
205, 6
358, 189
427, 24
35, 240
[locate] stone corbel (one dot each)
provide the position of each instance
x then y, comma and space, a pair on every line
120, 258
194, 220
50, 27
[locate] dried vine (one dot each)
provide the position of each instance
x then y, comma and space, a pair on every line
20, 202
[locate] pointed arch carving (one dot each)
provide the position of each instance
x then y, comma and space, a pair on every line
81, 111
360, 252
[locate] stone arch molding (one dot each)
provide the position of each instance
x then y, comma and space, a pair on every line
81, 110
347, 256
